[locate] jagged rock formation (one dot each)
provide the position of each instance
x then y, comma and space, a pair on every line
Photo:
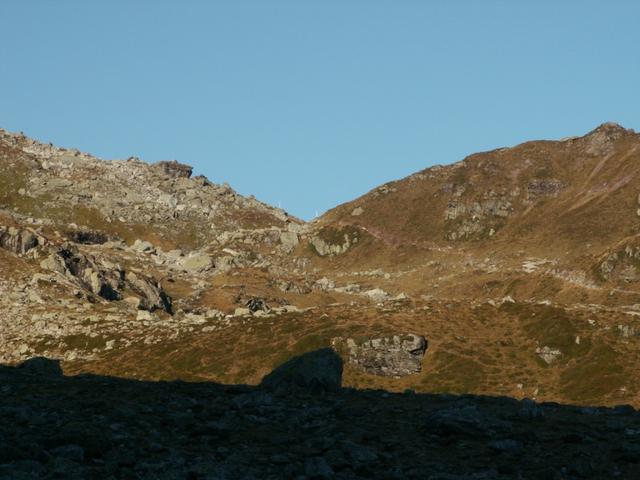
17, 240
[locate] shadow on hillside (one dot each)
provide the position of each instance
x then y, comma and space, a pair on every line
298, 424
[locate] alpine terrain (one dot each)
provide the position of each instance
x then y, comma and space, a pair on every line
471, 321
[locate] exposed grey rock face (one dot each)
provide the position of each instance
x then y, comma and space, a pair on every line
152, 297
104, 279
104, 282
395, 356
289, 241
476, 217
17, 240
317, 370
326, 249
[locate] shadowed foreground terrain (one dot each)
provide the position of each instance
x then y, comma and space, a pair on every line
99, 427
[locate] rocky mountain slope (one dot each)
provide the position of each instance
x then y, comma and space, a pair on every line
512, 272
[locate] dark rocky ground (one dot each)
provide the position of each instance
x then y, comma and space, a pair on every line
92, 427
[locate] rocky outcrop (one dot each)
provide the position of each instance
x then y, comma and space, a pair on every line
394, 356
104, 282
320, 370
289, 241
548, 354
17, 240
326, 249
152, 296
105, 279
174, 169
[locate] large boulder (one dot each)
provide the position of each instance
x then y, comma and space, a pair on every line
393, 356
17, 240
198, 262
289, 241
320, 370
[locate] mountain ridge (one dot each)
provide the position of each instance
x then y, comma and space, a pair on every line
518, 265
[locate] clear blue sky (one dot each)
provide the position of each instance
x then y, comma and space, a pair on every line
313, 103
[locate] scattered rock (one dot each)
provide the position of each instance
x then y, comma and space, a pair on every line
548, 354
